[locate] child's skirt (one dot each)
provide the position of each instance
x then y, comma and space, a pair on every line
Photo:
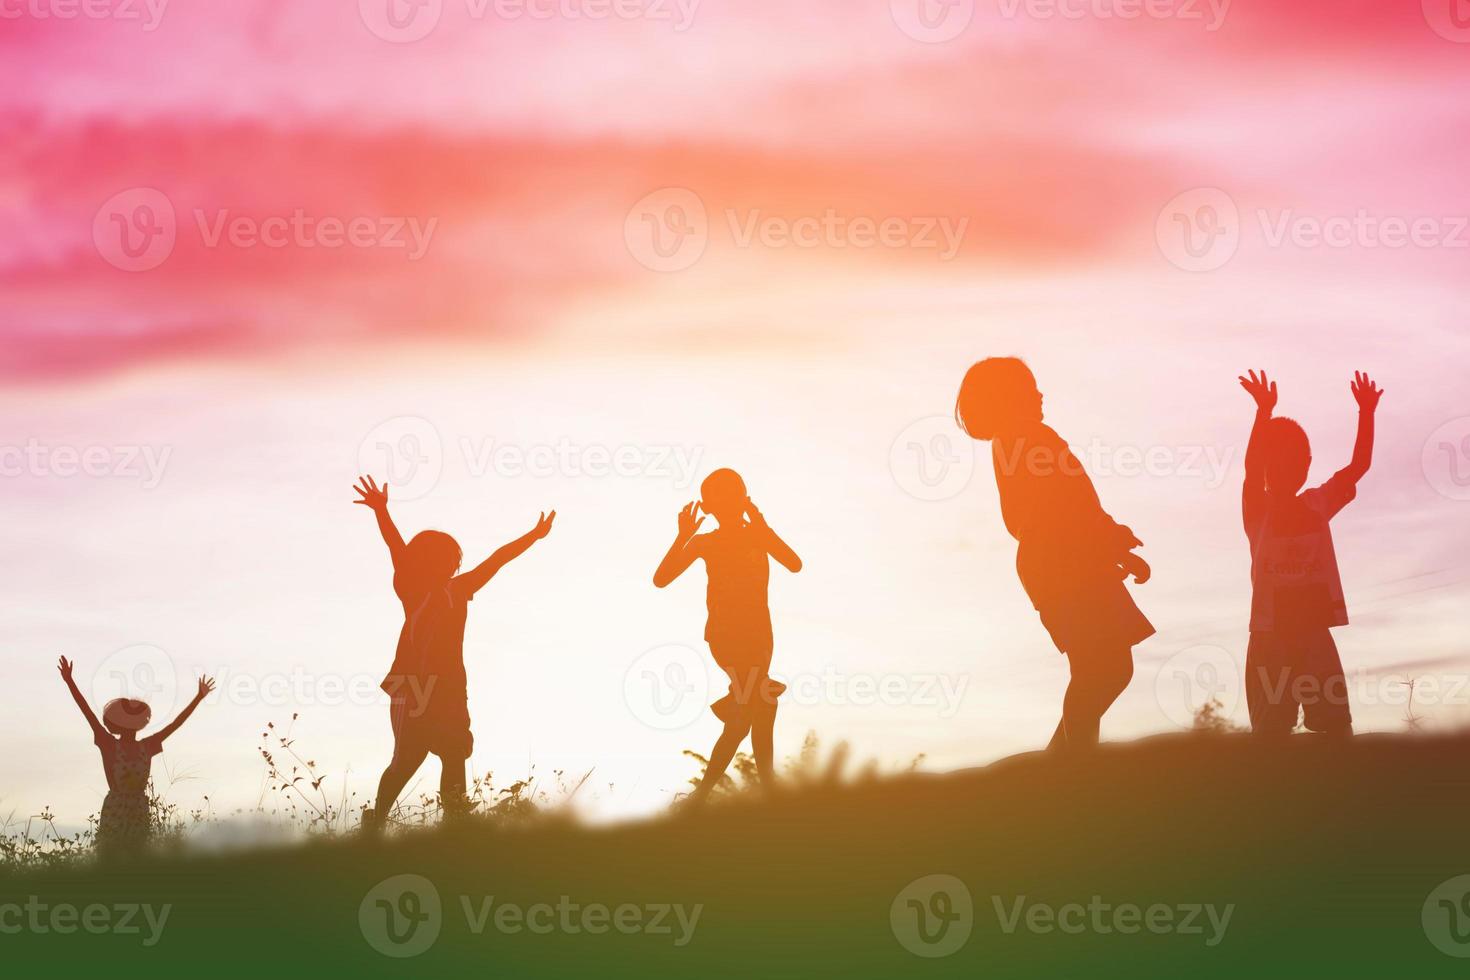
124, 827
1100, 616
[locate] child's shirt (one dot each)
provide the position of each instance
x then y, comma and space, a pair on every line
429, 660
739, 571
1066, 543
1294, 576
127, 763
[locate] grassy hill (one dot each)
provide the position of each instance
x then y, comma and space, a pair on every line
1177, 856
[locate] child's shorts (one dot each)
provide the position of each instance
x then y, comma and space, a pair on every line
1291, 672
442, 728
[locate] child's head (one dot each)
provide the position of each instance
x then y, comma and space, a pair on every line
997, 397
723, 494
125, 716
430, 560
1288, 455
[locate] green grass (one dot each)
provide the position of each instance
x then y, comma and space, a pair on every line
1325, 852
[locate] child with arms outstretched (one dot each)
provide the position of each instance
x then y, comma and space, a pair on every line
1292, 666
736, 558
426, 686
124, 827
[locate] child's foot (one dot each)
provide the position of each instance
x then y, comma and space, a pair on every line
372, 824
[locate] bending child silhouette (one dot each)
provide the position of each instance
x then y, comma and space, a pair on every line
1071, 556
737, 561
125, 826
1291, 665
426, 685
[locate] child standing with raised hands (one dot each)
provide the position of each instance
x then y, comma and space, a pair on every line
737, 561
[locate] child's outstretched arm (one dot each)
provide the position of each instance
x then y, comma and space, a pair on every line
375, 498
778, 549
65, 666
474, 580
1253, 494
206, 684
1366, 393
683, 551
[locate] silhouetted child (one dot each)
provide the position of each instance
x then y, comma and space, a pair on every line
1071, 556
125, 825
426, 686
736, 558
1292, 664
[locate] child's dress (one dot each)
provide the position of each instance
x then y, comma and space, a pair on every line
124, 826
1068, 547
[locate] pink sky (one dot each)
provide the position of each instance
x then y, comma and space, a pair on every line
519, 147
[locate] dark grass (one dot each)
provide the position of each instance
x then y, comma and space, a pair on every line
1327, 852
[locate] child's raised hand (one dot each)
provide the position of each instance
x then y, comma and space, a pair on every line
373, 496
543, 525
65, 666
1366, 391
206, 687
1261, 389
689, 520
757, 519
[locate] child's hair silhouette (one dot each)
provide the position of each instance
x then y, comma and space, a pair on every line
998, 395
1287, 454
723, 494
430, 559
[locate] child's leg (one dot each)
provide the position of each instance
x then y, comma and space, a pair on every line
406, 762
724, 751
452, 785
763, 743
1326, 709
1270, 684
1098, 677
